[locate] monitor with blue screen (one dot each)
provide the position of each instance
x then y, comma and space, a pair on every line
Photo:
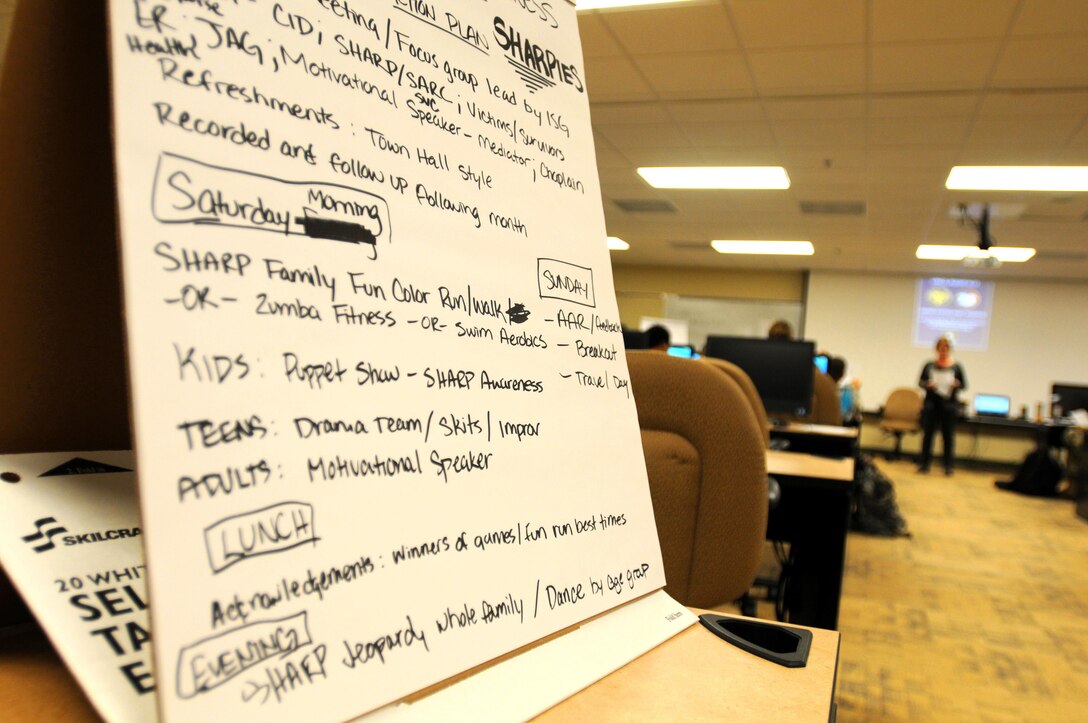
991, 405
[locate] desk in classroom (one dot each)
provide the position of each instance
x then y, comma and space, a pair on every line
692, 676
822, 439
813, 515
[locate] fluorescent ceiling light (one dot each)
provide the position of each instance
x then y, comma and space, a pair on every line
1011, 254
617, 244
752, 177
776, 248
608, 4
1018, 178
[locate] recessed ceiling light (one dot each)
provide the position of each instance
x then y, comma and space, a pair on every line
608, 4
747, 177
1018, 178
775, 248
1012, 254
617, 244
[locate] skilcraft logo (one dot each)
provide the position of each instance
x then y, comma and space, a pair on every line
48, 528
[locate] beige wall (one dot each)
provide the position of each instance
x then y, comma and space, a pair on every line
640, 289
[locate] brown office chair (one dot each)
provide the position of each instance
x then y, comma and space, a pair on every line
902, 415
707, 467
826, 407
750, 392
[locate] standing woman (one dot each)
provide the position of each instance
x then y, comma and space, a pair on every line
942, 379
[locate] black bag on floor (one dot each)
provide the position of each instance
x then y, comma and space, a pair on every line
1038, 475
875, 509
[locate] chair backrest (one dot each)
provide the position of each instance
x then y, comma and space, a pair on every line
826, 406
747, 386
707, 468
904, 405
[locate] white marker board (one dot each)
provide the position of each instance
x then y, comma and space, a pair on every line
381, 411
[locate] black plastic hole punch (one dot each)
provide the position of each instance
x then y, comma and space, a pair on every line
776, 643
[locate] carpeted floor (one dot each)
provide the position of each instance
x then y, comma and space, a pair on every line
981, 616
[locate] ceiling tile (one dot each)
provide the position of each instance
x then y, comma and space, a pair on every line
924, 105
727, 133
809, 71
694, 75
1044, 62
644, 135
895, 20
682, 29
820, 156
1043, 130
930, 156
597, 40
1081, 136
1006, 155
704, 111
615, 79
816, 133
932, 66
1051, 17
750, 156
634, 112
815, 108
1034, 102
794, 23
917, 131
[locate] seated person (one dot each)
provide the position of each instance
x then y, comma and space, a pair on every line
657, 338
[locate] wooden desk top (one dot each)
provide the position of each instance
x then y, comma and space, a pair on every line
693, 676
797, 464
823, 430
698, 676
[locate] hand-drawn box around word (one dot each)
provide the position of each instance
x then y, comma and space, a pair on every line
208, 663
565, 281
260, 532
190, 191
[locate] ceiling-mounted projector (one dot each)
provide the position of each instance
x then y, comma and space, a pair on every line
981, 261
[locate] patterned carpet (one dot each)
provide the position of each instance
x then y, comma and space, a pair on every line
981, 616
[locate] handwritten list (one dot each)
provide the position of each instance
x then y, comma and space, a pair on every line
383, 423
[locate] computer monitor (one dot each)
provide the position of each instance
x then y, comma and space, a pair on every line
991, 405
1064, 398
821, 361
684, 351
633, 339
781, 369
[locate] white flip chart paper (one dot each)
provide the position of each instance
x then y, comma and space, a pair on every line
382, 417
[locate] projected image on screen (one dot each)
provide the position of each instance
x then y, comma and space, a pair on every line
959, 306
